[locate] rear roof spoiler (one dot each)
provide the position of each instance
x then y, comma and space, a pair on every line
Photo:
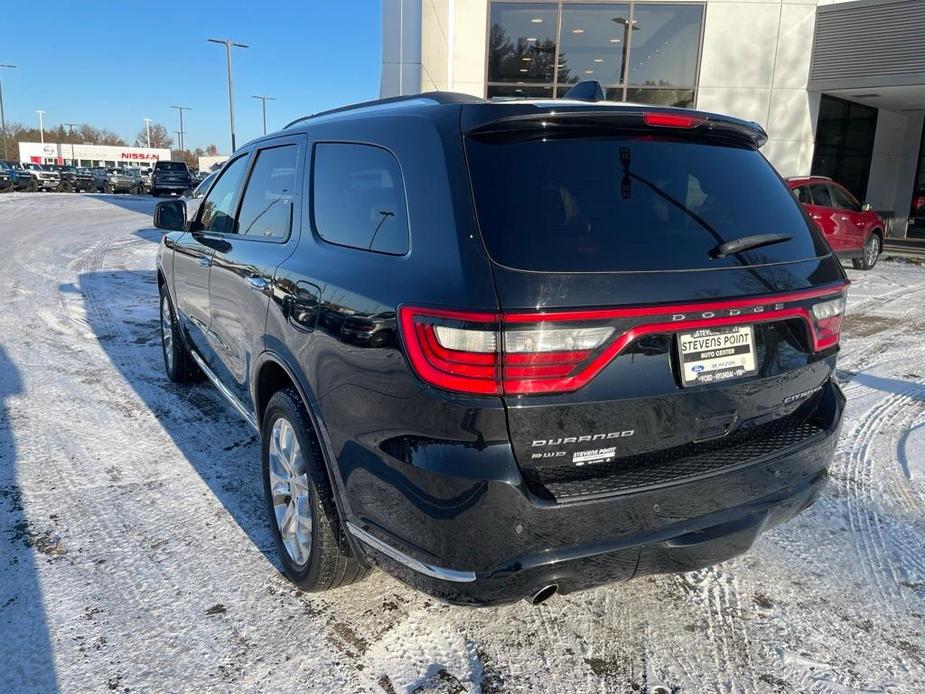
569, 120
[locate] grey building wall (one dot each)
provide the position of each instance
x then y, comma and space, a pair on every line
869, 43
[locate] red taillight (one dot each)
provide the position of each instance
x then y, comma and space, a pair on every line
467, 360
559, 352
827, 317
671, 120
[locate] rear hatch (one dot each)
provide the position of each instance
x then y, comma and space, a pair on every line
632, 346
172, 173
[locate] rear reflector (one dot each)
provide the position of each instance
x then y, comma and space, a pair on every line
670, 120
559, 352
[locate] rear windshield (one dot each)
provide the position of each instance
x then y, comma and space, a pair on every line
171, 166
630, 203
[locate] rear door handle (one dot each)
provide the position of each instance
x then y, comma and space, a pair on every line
844, 219
257, 283
204, 261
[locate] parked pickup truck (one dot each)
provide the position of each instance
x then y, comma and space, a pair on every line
43, 179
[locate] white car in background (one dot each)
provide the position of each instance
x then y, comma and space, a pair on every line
43, 180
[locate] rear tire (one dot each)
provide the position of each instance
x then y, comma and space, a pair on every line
178, 362
301, 510
872, 250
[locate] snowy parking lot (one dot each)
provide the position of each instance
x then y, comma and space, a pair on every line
134, 553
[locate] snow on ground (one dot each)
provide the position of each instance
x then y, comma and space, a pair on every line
134, 555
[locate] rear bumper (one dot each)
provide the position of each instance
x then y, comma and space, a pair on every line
492, 542
170, 185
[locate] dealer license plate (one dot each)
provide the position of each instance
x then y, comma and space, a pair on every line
712, 355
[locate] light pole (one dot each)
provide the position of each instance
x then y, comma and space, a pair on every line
628, 25
41, 127
148, 130
2, 117
263, 102
181, 131
228, 43
70, 136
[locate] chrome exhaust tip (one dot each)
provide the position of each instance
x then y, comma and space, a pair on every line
543, 594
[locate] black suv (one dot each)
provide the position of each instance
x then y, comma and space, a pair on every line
171, 177
502, 349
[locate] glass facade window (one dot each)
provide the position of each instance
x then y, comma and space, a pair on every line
845, 143
641, 52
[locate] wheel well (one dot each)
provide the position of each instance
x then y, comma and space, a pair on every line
877, 231
160, 279
271, 379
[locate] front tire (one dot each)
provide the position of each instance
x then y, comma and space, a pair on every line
872, 250
178, 362
300, 505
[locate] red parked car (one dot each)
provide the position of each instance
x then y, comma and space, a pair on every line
853, 230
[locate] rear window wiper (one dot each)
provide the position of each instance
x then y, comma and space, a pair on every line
747, 243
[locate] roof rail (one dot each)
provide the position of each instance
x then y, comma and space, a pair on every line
430, 97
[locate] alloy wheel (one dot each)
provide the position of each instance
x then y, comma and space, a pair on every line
872, 250
167, 332
290, 491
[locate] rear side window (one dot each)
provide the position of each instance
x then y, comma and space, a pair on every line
266, 208
630, 203
801, 193
358, 198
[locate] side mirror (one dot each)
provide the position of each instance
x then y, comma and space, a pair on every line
865, 207
170, 215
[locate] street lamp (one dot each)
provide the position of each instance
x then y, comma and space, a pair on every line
2, 117
70, 136
41, 127
148, 130
181, 131
627, 26
228, 43
264, 100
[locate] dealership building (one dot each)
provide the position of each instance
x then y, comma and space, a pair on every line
90, 155
839, 85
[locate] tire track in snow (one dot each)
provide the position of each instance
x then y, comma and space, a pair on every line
877, 549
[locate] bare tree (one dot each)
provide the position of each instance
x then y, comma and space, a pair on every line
159, 137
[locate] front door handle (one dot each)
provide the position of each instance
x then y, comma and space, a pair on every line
257, 283
204, 261
844, 219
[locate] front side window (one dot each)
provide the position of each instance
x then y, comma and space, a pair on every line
843, 199
358, 198
217, 211
821, 195
266, 208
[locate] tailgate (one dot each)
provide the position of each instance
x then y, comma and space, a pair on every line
629, 340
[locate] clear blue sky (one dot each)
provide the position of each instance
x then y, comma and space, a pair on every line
111, 64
